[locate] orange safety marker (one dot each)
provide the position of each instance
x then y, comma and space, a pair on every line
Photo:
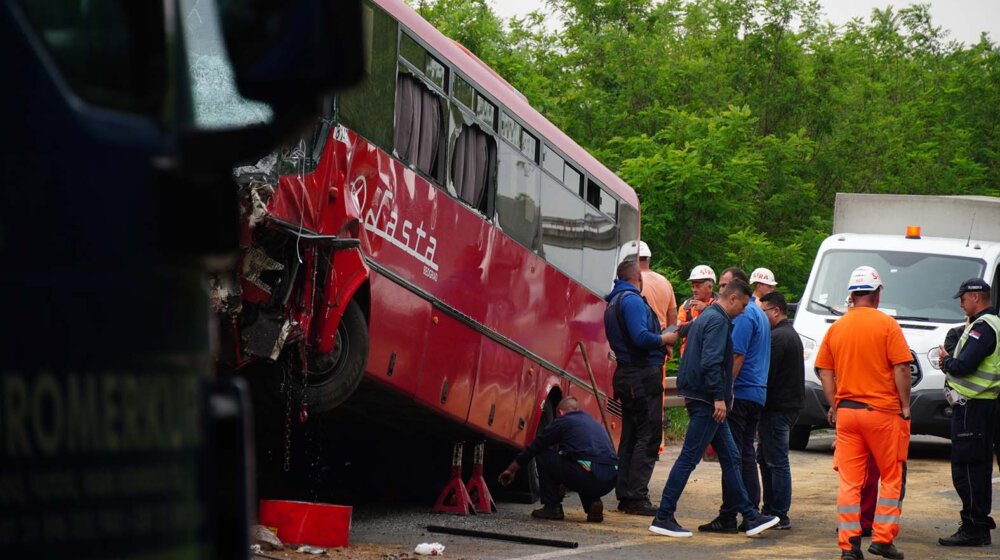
455, 498
479, 493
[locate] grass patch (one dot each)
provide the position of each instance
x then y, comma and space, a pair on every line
678, 423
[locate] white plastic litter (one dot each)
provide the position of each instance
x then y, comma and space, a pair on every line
311, 549
429, 549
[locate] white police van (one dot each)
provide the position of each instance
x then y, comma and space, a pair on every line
923, 247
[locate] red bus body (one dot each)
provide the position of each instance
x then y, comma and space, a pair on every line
463, 319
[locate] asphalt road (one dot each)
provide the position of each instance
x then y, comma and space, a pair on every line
930, 510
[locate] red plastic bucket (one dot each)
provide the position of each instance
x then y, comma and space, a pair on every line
307, 522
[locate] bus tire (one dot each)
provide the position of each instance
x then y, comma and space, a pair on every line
798, 437
531, 470
333, 377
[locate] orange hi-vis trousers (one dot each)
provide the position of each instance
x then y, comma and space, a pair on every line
887, 438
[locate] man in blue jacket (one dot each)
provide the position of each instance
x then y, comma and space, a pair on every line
640, 348
751, 336
576, 452
705, 382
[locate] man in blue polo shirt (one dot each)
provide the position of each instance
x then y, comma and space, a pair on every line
751, 360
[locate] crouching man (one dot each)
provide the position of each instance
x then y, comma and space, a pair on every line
573, 451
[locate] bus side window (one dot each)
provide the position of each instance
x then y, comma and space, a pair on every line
601, 199
628, 224
600, 247
419, 125
563, 227
368, 108
518, 181
472, 167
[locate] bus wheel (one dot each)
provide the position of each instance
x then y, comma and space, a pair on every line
531, 472
798, 438
332, 378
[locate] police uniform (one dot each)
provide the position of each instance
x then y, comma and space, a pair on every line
972, 386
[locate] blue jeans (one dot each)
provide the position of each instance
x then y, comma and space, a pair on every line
703, 430
742, 420
772, 455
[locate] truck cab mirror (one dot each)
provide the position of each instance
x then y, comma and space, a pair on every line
289, 53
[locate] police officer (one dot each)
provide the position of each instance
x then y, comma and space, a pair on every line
972, 386
640, 349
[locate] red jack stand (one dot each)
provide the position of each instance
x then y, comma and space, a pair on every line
478, 491
455, 498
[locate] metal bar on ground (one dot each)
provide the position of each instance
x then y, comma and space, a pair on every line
501, 536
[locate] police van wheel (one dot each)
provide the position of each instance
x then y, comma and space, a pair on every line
798, 437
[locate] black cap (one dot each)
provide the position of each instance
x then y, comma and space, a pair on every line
972, 285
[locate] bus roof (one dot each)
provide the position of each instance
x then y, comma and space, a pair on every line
493, 85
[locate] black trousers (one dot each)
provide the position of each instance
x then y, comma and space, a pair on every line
555, 469
973, 427
743, 419
642, 432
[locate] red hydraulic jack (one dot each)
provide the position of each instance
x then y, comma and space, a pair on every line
478, 492
455, 498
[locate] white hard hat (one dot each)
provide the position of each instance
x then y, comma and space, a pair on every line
702, 272
864, 279
631, 248
763, 276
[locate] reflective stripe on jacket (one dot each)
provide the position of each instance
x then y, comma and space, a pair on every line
984, 383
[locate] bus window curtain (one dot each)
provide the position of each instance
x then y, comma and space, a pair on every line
418, 123
471, 163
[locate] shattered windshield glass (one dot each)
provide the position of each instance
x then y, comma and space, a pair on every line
217, 103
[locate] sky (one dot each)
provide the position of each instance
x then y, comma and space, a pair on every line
964, 19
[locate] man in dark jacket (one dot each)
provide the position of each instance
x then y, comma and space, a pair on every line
576, 452
705, 382
633, 332
785, 387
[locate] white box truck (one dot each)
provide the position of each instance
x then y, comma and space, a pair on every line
923, 247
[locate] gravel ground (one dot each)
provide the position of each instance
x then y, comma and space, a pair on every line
930, 511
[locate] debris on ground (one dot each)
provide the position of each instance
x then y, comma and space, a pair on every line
310, 549
429, 549
265, 538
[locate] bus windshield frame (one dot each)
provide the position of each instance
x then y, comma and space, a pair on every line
917, 286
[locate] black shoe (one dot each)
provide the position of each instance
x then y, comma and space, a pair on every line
967, 537
595, 513
668, 526
759, 524
885, 550
720, 525
554, 513
855, 551
784, 523
637, 508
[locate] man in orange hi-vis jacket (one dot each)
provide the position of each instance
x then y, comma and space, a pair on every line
863, 363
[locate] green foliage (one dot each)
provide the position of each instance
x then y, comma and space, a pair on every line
737, 121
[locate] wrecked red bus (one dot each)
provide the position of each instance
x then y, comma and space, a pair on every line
436, 237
